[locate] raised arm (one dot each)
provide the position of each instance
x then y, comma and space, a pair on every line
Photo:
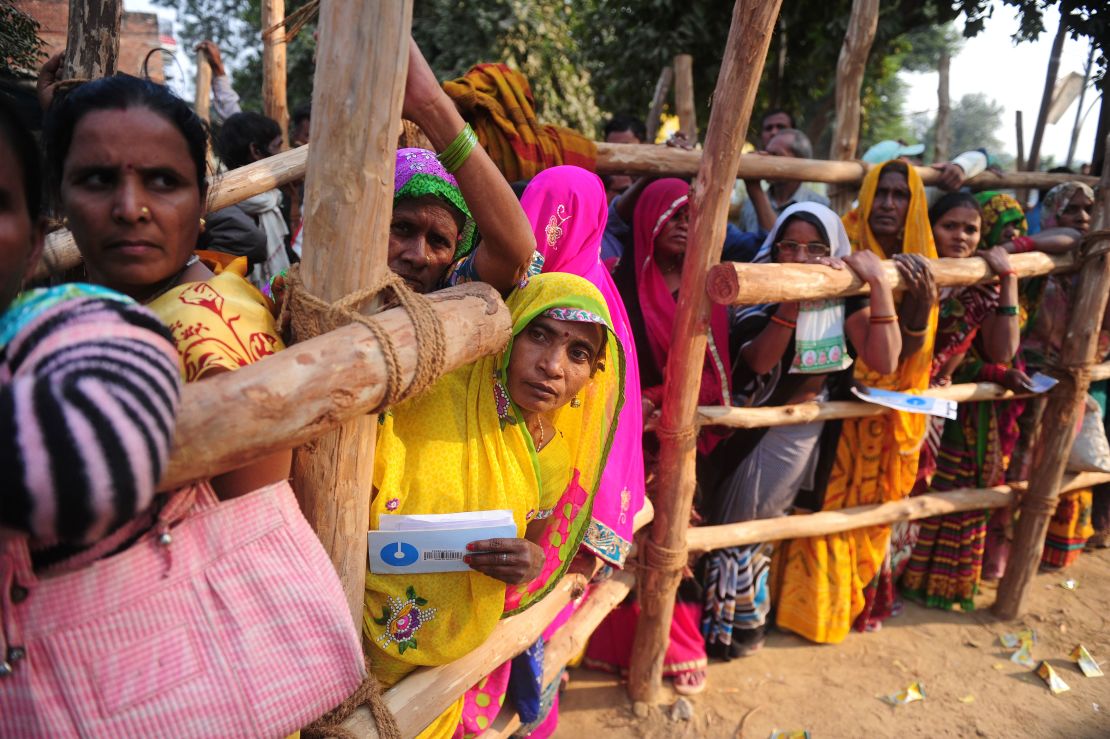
917, 302
1000, 332
507, 239
1051, 241
874, 331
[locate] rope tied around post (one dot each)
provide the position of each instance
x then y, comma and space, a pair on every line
684, 435
309, 316
368, 694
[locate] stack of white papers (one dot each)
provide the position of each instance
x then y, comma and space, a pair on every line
433, 542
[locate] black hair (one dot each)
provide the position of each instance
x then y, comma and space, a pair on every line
896, 165
17, 135
119, 92
626, 122
807, 217
952, 201
301, 113
778, 111
239, 132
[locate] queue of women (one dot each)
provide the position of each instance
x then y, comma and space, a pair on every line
551, 428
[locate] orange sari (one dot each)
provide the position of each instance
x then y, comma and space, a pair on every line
821, 579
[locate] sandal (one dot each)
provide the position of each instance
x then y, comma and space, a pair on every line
747, 641
690, 682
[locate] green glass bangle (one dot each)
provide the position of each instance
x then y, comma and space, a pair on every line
458, 151
1006, 310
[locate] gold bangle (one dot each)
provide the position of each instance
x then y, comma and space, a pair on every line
914, 331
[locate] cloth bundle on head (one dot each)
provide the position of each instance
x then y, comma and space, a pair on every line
463, 446
567, 209
819, 345
1000, 210
1057, 199
419, 173
499, 104
660, 201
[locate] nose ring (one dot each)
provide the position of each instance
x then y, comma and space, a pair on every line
145, 211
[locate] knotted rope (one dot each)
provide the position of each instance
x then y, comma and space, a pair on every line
309, 315
368, 694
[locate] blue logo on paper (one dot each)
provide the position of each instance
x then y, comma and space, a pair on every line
399, 554
916, 401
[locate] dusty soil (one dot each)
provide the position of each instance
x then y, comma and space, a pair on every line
831, 690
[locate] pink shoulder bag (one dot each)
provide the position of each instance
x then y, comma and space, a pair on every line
224, 619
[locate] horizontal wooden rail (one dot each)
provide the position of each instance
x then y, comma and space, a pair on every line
1100, 372
292, 397
237, 185
648, 159
226, 189
418, 699
741, 283
830, 410
708, 538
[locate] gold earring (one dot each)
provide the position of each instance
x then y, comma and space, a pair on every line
65, 221
203, 223
575, 402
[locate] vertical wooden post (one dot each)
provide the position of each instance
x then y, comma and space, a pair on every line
850, 67
274, 104
1034, 160
1079, 107
943, 136
92, 39
684, 96
749, 37
1076, 356
662, 88
203, 98
1022, 194
362, 62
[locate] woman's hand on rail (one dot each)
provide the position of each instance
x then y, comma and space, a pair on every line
1017, 381
998, 259
512, 561
866, 266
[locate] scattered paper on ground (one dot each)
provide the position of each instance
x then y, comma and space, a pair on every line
913, 693
1086, 662
1054, 682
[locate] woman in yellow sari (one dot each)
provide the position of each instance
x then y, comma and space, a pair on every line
826, 583
526, 430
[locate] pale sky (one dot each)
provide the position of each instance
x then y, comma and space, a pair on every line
1014, 76
989, 63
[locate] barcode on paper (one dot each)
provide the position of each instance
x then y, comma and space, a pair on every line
443, 554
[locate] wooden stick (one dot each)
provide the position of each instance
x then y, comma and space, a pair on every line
862, 24
1100, 372
274, 103
296, 395
684, 96
362, 62
1077, 354
788, 415
708, 538
92, 39
1034, 160
942, 131
202, 101
749, 36
662, 88
569, 640
738, 283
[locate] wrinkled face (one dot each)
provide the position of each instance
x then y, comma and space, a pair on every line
670, 242
772, 124
800, 243
20, 237
1077, 213
129, 189
892, 202
423, 236
551, 361
957, 233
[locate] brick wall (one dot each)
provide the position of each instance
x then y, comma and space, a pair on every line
138, 34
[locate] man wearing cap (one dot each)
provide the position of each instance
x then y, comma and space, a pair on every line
788, 142
952, 174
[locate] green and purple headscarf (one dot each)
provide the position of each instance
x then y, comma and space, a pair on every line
419, 173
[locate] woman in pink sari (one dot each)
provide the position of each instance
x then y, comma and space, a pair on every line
567, 209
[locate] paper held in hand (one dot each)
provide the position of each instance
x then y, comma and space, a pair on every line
906, 402
434, 542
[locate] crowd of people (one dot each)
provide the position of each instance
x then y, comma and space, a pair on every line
552, 428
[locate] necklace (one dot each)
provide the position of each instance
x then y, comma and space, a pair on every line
173, 280
540, 445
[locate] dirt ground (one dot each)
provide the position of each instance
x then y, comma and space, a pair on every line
972, 687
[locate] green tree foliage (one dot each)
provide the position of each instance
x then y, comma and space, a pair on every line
21, 49
975, 123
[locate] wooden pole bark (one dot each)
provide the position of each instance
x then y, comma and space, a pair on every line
1079, 107
749, 36
943, 133
684, 96
274, 104
1077, 355
850, 67
92, 39
310, 388
1019, 164
738, 283
1034, 159
662, 89
202, 100
823, 523
362, 61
